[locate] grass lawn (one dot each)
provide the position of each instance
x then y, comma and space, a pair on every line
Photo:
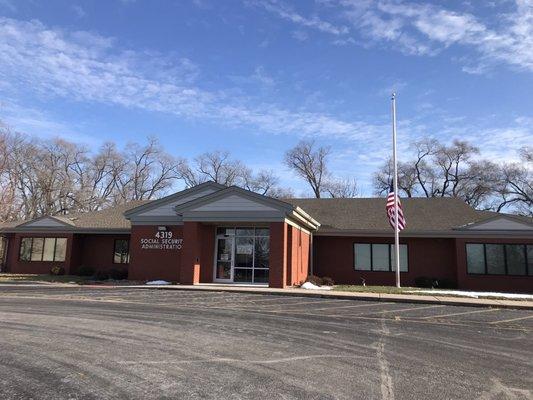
419, 291
374, 289
20, 278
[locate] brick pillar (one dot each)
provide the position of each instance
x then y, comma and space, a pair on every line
278, 255
191, 256
72, 253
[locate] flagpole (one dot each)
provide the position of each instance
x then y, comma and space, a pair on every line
395, 179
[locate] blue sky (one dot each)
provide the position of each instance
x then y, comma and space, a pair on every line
255, 76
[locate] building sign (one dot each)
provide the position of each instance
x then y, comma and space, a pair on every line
162, 240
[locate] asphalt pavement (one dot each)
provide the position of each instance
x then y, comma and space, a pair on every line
114, 343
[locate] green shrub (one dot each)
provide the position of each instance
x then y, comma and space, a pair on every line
317, 280
57, 270
101, 275
85, 270
327, 281
445, 284
435, 283
118, 274
424, 282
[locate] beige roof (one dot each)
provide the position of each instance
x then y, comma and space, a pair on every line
368, 214
109, 218
357, 214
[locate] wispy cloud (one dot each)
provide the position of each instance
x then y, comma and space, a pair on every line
425, 29
84, 66
300, 35
78, 10
40, 124
512, 44
284, 11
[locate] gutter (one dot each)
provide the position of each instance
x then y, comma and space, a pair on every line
428, 234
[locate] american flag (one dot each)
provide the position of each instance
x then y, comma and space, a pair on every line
391, 212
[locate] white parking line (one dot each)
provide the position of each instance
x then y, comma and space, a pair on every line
462, 313
511, 320
299, 303
409, 309
352, 306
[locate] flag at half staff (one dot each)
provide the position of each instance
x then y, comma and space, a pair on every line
392, 214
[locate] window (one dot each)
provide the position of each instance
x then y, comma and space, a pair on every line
379, 257
475, 258
37, 249
363, 259
495, 259
499, 259
529, 256
516, 259
49, 249
122, 251
43, 249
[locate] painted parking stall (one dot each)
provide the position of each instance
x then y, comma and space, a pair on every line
192, 344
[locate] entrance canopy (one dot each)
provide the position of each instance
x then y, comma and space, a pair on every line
226, 234
211, 202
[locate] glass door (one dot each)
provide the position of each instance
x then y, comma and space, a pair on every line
242, 255
224, 259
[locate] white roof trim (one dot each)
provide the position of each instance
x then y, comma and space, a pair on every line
499, 223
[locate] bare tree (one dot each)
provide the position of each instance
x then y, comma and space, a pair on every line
341, 188
214, 166
516, 184
8, 203
453, 162
281, 193
310, 163
101, 177
264, 182
439, 170
149, 172
407, 179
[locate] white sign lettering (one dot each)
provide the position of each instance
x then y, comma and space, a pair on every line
161, 241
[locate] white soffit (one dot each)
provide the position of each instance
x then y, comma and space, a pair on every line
167, 209
46, 222
234, 202
500, 223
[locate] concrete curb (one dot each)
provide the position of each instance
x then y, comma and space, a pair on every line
386, 297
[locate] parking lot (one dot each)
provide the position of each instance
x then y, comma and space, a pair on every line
146, 343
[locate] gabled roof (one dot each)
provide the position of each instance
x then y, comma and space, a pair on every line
242, 205
234, 190
109, 219
154, 204
48, 221
358, 216
437, 215
500, 222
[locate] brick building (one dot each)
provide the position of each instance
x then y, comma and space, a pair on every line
213, 233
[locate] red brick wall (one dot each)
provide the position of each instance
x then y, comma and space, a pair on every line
208, 234
97, 251
500, 283
297, 255
278, 254
191, 261
36, 267
334, 257
151, 264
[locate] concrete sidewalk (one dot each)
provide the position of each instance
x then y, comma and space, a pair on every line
399, 298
